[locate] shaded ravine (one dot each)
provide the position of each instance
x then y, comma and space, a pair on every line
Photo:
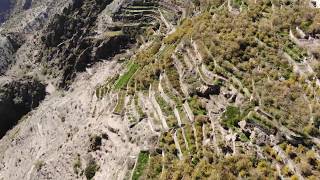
4, 10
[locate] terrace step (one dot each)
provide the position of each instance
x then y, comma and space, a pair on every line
195, 134
286, 160
140, 8
184, 138
131, 113
188, 111
138, 11
163, 94
121, 102
190, 138
145, 3
157, 108
153, 122
176, 142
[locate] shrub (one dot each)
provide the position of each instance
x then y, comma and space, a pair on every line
306, 169
96, 142
286, 171
243, 137
311, 158
77, 164
39, 164
141, 164
91, 169
311, 130
231, 117
294, 177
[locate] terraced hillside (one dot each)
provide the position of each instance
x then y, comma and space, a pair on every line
172, 89
232, 92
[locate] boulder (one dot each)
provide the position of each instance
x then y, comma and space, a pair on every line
259, 137
207, 90
242, 124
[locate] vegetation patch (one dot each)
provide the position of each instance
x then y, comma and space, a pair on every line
39, 164
196, 106
142, 162
105, 88
243, 137
91, 169
231, 117
77, 164
294, 51
138, 107
124, 79
120, 104
154, 169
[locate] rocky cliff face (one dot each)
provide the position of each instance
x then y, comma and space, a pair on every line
6, 54
18, 97
70, 44
20, 93
70, 49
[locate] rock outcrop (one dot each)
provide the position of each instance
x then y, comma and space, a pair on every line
17, 98
6, 51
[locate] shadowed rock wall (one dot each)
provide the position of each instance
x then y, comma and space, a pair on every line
17, 98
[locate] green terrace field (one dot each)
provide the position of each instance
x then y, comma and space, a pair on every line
120, 103
141, 163
123, 80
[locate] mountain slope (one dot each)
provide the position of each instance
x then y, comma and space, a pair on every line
170, 90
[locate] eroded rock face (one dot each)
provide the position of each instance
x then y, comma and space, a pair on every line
70, 44
17, 98
9, 44
6, 50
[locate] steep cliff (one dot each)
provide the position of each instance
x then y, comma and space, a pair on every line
18, 97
